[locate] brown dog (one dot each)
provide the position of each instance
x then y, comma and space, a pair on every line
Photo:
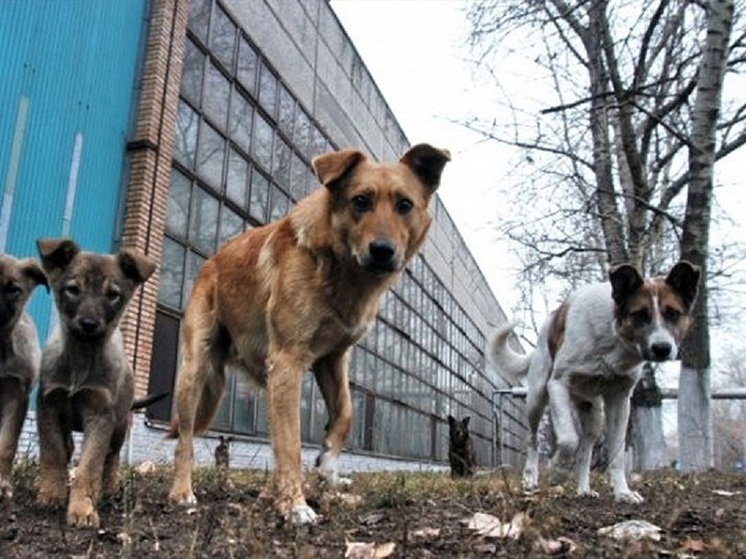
296, 295
19, 356
86, 381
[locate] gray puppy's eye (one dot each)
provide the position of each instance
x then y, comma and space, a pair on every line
71, 291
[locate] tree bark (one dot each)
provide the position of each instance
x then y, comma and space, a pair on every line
695, 410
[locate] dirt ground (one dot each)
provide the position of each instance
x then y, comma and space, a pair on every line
397, 514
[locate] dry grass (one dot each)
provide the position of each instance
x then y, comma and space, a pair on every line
422, 514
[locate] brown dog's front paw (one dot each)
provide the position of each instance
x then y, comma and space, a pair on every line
82, 514
181, 496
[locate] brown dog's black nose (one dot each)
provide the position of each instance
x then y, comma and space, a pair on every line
382, 252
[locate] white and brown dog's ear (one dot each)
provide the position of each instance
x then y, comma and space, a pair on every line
684, 278
625, 281
333, 167
56, 253
135, 266
427, 162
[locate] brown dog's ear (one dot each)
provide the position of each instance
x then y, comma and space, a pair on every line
135, 266
56, 253
625, 280
331, 168
684, 279
427, 163
33, 272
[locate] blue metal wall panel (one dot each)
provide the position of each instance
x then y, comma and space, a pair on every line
67, 88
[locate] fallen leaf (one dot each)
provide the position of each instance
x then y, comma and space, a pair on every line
490, 526
362, 550
426, 533
693, 545
632, 530
561, 545
724, 493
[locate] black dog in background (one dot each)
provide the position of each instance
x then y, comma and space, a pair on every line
460, 448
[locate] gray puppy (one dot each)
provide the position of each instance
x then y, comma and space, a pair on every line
86, 382
19, 356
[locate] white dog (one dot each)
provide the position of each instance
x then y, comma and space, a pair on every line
588, 359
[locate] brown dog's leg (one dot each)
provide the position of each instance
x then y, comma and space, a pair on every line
284, 376
331, 376
54, 450
13, 406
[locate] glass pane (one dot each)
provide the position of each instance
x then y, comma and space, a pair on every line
298, 172
194, 263
280, 204
222, 420
267, 89
185, 140
243, 405
287, 111
199, 18
172, 274
320, 145
281, 162
223, 37
231, 224
302, 131
177, 215
262, 420
210, 158
259, 196
239, 125
261, 147
246, 69
217, 93
236, 184
204, 221
191, 74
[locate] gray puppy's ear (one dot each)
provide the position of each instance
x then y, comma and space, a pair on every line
33, 272
136, 266
56, 253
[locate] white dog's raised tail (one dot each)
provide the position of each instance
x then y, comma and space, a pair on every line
512, 365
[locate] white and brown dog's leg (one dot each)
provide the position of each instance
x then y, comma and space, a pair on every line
331, 376
536, 401
617, 416
284, 379
591, 422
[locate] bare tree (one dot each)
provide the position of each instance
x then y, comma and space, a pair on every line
606, 164
695, 411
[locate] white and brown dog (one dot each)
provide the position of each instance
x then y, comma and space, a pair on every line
588, 358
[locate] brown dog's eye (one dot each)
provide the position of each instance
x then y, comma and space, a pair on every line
671, 315
404, 206
113, 296
362, 203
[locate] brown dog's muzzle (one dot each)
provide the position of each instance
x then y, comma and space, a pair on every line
382, 256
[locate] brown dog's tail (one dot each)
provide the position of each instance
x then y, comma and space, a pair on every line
209, 399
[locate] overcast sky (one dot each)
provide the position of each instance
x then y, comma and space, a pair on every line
416, 52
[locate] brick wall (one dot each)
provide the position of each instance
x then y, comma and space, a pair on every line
149, 156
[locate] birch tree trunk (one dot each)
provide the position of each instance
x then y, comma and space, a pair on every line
694, 404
